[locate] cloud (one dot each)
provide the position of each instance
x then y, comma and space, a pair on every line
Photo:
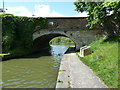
40, 10
45, 11
39, 1
84, 14
18, 11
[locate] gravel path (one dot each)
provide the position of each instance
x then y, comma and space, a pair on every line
74, 74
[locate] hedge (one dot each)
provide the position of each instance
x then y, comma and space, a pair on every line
17, 31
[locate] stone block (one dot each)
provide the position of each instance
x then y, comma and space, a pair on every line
85, 50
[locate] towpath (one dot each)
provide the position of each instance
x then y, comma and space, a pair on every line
74, 74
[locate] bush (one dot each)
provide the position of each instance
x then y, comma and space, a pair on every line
18, 31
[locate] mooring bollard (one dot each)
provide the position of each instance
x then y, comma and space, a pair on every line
81, 50
85, 50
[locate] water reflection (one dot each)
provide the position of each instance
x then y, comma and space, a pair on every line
33, 71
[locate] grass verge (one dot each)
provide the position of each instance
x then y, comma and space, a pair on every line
18, 52
4, 54
104, 61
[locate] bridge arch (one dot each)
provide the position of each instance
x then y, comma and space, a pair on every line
73, 28
42, 40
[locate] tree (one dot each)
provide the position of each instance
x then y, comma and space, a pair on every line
106, 14
1, 10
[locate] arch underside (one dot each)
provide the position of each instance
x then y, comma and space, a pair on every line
42, 42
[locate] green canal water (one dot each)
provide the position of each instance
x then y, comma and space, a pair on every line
34, 71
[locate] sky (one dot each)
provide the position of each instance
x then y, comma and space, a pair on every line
43, 8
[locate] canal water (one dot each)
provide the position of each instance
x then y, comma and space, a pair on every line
34, 71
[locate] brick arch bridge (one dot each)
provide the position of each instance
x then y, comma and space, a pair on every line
73, 28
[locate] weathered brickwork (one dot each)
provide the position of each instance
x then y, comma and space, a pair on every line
73, 28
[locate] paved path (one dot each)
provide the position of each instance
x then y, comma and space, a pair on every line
74, 74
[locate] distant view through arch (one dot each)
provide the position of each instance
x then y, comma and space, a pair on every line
44, 41
62, 40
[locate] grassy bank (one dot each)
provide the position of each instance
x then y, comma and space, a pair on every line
104, 61
18, 52
4, 54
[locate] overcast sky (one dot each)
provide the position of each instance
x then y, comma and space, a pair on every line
43, 8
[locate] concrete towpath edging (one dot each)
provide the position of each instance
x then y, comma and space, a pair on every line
74, 74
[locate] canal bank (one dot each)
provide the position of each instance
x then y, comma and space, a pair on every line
74, 74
